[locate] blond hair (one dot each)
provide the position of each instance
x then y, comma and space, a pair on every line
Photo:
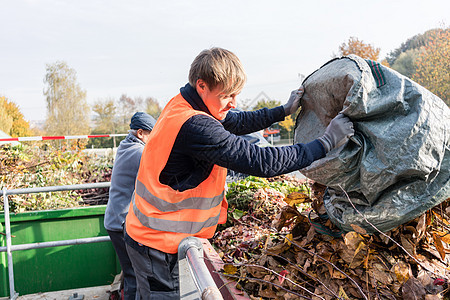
218, 67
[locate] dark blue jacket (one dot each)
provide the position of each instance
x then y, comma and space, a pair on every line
203, 142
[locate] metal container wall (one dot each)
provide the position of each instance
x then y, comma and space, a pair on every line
63, 267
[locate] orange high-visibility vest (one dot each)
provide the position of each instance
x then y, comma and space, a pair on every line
159, 216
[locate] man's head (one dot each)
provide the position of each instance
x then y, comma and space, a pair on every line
141, 125
218, 76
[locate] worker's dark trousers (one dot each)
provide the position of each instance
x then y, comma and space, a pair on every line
129, 279
156, 272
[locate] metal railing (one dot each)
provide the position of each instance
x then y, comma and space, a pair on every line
196, 281
9, 247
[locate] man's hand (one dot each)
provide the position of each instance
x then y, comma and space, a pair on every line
294, 101
339, 129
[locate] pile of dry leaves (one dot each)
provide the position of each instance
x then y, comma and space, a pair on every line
282, 249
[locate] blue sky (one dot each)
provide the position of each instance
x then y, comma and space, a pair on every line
145, 48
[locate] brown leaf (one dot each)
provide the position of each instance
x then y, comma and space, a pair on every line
337, 275
256, 271
355, 293
433, 265
287, 212
358, 229
318, 206
353, 257
440, 218
324, 250
413, 230
289, 296
272, 263
408, 245
230, 269
309, 237
278, 248
296, 198
445, 236
356, 249
421, 226
379, 273
413, 289
267, 293
396, 286
342, 293
432, 251
301, 227
402, 271
307, 265
359, 256
428, 221
439, 246
352, 240
424, 278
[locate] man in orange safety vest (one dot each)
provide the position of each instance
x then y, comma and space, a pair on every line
179, 189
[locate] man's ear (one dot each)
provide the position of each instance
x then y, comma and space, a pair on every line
200, 86
139, 133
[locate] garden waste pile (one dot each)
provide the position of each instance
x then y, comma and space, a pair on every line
278, 244
39, 165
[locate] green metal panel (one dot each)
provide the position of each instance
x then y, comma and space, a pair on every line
58, 268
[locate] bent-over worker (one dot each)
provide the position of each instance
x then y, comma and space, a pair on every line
181, 179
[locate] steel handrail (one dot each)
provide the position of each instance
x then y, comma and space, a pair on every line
58, 188
190, 251
9, 247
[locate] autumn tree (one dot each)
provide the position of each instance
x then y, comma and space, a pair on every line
126, 107
403, 59
152, 107
357, 47
105, 116
288, 125
5, 118
114, 116
406, 63
433, 65
12, 121
105, 119
67, 110
414, 43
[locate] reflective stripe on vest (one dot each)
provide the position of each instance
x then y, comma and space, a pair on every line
173, 226
164, 206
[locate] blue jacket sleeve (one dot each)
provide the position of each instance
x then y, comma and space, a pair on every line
207, 140
244, 122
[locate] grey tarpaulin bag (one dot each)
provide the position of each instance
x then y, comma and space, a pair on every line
397, 165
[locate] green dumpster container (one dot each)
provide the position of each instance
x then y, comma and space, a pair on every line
63, 267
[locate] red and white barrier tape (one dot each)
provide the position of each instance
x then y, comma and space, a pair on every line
62, 137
